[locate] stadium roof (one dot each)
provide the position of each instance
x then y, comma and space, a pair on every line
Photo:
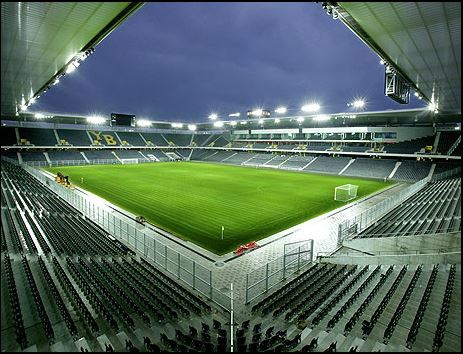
40, 40
421, 40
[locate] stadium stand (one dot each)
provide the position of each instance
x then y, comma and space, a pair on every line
74, 137
154, 139
103, 138
179, 139
184, 153
318, 146
287, 146
200, 139
370, 168
82, 276
445, 166
259, 159
446, 140
260, 145
218, 156
277, 160
10, 154
410, 147
331, 165
412, 171
239, 158
158, 154
200, 154
28, 156
129, 154
296, 162
37, 137
333, 298
355, 148
74, 247
239, 144
434, 209
9, 136
133, 139
65, 156
220, 141
99, 155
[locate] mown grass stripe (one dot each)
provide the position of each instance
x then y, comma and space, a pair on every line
193, 200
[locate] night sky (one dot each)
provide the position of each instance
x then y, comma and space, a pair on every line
183, 61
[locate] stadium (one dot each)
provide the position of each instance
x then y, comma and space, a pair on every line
276, 232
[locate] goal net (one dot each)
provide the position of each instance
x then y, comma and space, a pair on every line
345, 193
129, 161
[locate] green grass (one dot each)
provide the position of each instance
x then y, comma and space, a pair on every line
193, 200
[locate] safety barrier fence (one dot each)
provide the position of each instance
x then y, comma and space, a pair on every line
296, 257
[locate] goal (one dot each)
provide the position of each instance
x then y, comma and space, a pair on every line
129, 161
345, 193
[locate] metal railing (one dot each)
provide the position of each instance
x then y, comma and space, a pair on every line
58, 163
437, 232
390, 253
296, 256
132, 234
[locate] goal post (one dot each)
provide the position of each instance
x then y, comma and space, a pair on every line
345, 192
128, 161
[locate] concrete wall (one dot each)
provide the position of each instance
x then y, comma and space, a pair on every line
405, 244
443, 258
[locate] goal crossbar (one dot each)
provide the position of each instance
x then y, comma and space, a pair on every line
128, 161
345, 192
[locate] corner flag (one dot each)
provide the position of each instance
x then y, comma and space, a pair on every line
222, 231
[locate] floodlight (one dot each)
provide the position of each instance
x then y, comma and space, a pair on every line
32, 101
233, 124
191, 127
358, 103
23, 107
143, 123
261, 121
277, 120
70, 68
218, 124
237, 114
257, 112
432, 106
56, 82
382, 62
243, 122
84, 55
95, 120
311, 107
213, 116
300, 119
321, 117
177, 125
281, 110
39, 115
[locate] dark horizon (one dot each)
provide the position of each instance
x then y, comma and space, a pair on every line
183, 61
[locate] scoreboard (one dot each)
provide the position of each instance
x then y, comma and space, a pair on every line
118, 119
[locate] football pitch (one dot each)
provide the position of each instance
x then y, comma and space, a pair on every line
193, 200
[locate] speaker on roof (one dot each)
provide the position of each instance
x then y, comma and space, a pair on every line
396, 87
